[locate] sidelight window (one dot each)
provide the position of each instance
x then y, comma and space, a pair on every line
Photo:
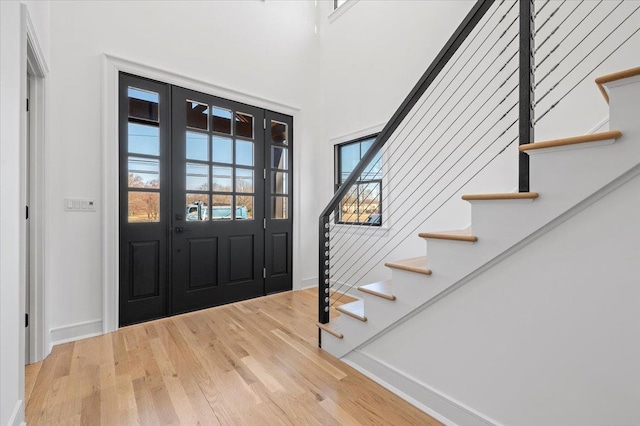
143, 156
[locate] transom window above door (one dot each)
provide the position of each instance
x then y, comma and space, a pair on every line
220, 169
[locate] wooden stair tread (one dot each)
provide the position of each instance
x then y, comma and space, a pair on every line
600, 81
502, 196
414, 264
595, 137
458, 235
381, 289
353, 309
328, 329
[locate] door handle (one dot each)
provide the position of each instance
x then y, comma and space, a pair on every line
180, 230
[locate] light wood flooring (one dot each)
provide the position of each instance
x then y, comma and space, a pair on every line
248, 363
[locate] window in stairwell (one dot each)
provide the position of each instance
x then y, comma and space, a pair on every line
363, 203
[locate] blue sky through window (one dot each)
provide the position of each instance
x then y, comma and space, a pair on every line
143, 95
144, 139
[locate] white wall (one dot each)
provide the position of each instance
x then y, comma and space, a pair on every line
262, 49
11, 335
547, 336
13, 69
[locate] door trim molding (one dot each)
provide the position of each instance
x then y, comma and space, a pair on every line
111, 67
37, 67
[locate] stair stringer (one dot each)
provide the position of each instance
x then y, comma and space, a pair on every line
564, 177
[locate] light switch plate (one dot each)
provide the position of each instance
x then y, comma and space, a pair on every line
80, 204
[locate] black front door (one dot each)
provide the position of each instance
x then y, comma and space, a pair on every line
206, 200
218, 201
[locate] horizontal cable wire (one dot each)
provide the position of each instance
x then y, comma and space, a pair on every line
572, 50
552, 33
462, 127
444, 174
549, 17
451, 196
542, 8
588, 74
451, 138
446, 102
567, 35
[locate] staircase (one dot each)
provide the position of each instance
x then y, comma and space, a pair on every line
564, 173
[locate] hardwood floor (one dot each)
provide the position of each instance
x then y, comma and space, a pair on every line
248, 363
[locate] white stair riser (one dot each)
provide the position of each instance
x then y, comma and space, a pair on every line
375, 305
413, 289
357, 332
624, 108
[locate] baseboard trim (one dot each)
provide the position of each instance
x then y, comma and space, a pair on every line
17, 416
73, 332
602, 126
433, 402
308, 283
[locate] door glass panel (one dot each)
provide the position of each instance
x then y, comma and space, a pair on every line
279, 183
143, 139
279, 133
197, 208
197, 146
144, 172
244, 180
144, 207
244, 125
221, 179
244, 153
279, 208
143, 105
222, 206
197, 177
279, 158
244, 207
197, 115
221, 120
222, 150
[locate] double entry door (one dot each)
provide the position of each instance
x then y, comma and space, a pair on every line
205, 200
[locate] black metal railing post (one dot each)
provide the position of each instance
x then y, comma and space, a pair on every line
526, 108
323, 271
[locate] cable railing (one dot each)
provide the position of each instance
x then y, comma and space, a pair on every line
474, 102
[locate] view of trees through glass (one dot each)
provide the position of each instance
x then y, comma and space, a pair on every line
363, 203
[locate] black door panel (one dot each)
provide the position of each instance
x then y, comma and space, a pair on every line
218, 255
